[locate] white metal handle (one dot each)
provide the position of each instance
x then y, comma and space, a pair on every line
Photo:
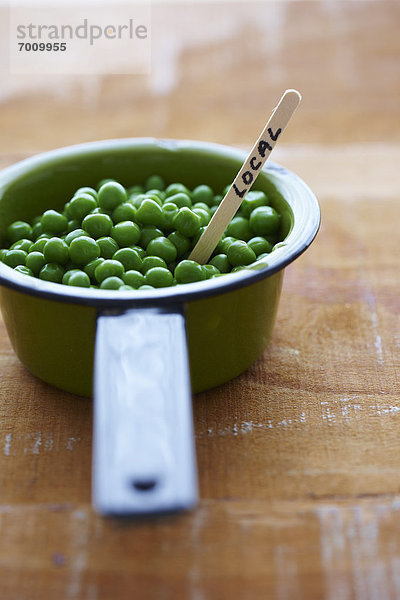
143, 449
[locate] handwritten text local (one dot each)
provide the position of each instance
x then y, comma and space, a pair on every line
254, 162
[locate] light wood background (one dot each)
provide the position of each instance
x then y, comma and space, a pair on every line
299, 457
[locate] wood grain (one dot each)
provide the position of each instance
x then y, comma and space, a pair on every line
279, 549
299, 457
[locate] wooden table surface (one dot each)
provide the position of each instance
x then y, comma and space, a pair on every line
298, 458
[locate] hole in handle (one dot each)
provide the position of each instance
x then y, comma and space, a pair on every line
144, 485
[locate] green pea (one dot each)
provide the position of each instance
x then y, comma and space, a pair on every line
101, 211
126, 288
146, 287
65, 212
124, 212
3, 252
73, 224
187, 222
107, 246
81, 205
79, 279
140, 250
35, 261
239, 253
155, 193
264, 220
53, 222
176, 188
83, 249
216, 201
137, 200
74, 234
149, 213
171, 222
197, 235
162, 247
152, 261
86, 190
126, 233
148, 234
260, 245
213, 210
103, 181
154, 182
252, 200
134, 190
169, 211
154, 196
13, 258
133, 278
180, 200
239, 228
188, 271
37, 230
218, 248
129, 258
202, 205
23, 244
24, 270
238, 268
203, 214
159, 277
68, 274
211, 270
108, 268
19, 230
110, 195
56, 251
52, 272
111, 283
224, 243
181, 243
221, 262
203, 193
91, 267
97, 225
38, 245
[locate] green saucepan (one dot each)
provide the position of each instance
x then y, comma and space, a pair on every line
135, 349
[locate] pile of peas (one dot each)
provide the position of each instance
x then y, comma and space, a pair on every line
138, 238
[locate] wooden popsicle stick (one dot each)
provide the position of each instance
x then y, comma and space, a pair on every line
247, 175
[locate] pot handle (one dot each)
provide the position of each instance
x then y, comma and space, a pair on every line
143, 447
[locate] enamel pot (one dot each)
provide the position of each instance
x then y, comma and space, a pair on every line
141, 353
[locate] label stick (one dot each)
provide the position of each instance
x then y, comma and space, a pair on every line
246, 176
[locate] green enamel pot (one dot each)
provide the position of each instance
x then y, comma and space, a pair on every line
140, 353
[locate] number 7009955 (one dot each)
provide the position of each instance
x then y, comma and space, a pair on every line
42, 46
